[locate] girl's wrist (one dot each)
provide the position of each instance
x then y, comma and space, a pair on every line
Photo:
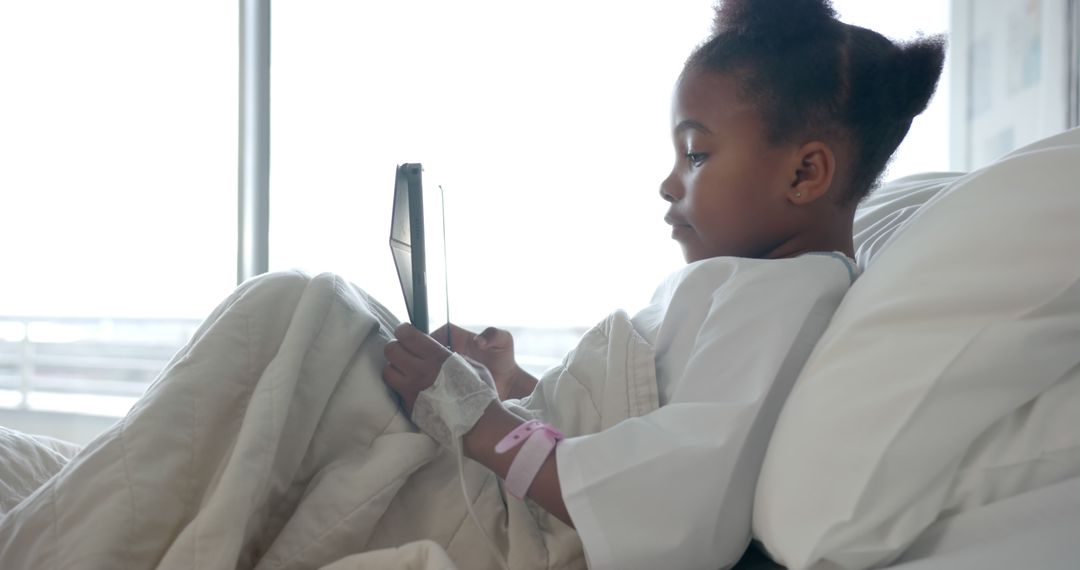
512, 385
521, 385
479, 445
479, 442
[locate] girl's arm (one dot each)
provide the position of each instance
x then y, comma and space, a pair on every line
480, 442
413, 361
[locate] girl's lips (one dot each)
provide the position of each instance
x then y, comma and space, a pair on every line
679, 228
681, 231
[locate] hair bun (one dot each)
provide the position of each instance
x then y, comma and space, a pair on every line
773, 23
917, 67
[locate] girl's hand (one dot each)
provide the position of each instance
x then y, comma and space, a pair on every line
494, 348
413, 361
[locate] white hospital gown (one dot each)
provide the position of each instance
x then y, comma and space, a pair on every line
673, 488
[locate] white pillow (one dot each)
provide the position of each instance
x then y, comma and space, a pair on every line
948, 376
888, 209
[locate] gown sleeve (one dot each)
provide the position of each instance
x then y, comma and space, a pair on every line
674, 488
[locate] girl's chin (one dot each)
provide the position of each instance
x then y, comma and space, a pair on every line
691, 256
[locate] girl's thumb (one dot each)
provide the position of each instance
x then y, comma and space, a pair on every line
488, 337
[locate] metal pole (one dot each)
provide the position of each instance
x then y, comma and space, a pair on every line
27, 372
1072, 36
254, 156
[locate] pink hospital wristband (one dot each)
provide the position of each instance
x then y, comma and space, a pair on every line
540, 439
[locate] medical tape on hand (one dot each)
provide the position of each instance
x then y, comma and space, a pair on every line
540, 439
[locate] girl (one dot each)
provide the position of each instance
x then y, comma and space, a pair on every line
272, 441
782, 122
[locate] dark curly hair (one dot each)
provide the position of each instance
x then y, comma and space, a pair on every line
811, 75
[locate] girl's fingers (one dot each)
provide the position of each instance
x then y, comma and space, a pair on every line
405, 331
401, 357
442, 334
451, 335
493, 339
460, 336
419, 344
401, 386
394, 377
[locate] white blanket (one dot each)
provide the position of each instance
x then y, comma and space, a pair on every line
270, 441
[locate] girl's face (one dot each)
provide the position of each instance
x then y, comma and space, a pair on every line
728, 188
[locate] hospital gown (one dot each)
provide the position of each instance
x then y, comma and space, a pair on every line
673, 488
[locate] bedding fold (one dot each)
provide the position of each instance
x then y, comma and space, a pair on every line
271, 442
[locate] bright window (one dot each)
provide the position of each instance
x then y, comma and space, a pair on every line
926, 147
118, 167
546, 125
548, 128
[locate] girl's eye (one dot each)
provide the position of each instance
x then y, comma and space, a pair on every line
696, 158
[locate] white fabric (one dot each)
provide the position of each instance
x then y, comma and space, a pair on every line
26, 462
673, 488
270, 441
450, 407
1034, 529
416, 555
948, 374
888, 209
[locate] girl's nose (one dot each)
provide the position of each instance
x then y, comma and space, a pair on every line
670, 189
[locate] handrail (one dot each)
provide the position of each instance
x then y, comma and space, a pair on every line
100, 356
120, 357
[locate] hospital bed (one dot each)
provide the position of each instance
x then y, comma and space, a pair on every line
936, 424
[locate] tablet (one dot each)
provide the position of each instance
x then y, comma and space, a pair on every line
417, 242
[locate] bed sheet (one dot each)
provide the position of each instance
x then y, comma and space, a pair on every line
26, 462
1037, 529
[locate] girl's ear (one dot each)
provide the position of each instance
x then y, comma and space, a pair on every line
815, 168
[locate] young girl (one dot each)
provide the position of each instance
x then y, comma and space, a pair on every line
272, 441
782, 122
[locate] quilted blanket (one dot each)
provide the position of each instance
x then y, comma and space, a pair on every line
270, 441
